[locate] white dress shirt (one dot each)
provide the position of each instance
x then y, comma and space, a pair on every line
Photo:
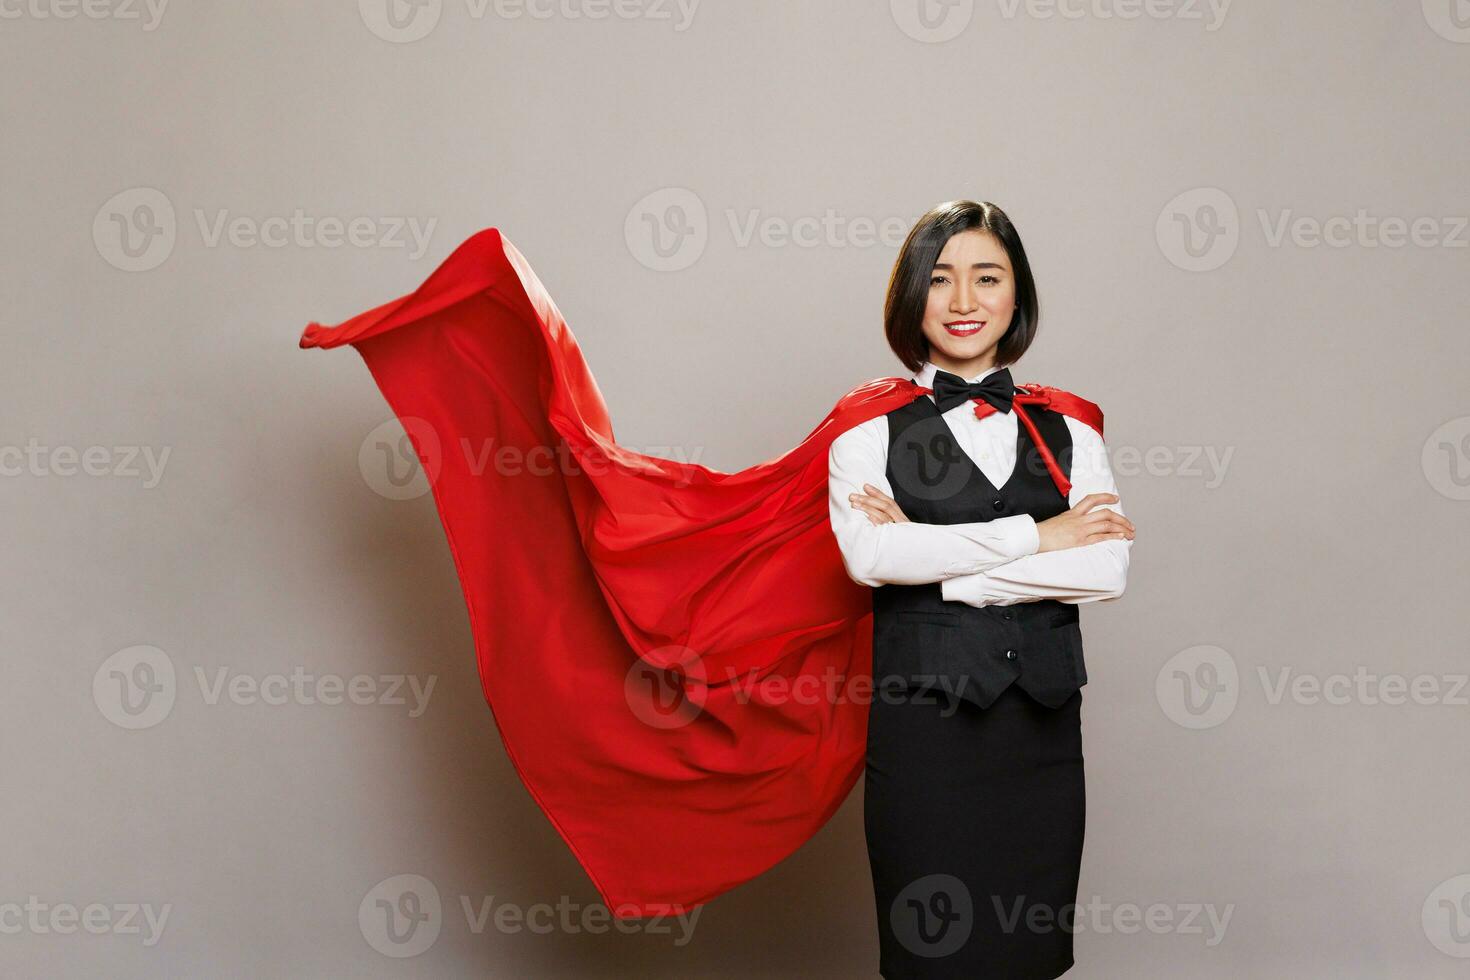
993, 562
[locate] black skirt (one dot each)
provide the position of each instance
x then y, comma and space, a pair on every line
974, 820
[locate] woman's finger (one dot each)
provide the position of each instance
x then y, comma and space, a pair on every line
890, 506
887, 509
874, 500
1103, 517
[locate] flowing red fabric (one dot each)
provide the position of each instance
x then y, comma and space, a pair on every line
674, 656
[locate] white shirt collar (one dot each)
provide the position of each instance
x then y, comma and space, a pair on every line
925, 377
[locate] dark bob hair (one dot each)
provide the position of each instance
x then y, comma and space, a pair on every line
908, 286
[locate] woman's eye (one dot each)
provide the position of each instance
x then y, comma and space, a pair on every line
987, 280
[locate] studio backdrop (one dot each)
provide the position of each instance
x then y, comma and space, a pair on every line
244, 727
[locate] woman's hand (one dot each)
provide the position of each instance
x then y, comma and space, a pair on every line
880, 508
1084, 525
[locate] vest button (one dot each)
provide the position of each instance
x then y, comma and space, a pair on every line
1006, 615
1010, 655
998, 504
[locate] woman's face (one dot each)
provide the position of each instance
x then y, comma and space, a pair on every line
972, 298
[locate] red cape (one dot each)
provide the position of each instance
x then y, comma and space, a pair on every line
623, 605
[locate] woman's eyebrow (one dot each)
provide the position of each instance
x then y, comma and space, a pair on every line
977, 265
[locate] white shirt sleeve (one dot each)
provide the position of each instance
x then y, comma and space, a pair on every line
908, 553
1092, 573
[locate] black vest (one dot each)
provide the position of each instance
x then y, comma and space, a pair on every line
919, 640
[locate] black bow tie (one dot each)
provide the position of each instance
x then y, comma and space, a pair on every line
951, 390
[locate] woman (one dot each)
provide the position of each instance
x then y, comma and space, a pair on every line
675, 656
974, 801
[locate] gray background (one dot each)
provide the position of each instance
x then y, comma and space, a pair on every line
1332, 378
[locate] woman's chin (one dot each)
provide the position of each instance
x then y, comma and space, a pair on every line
969, 349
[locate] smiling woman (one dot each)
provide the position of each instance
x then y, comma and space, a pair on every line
689, 703
981, 520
